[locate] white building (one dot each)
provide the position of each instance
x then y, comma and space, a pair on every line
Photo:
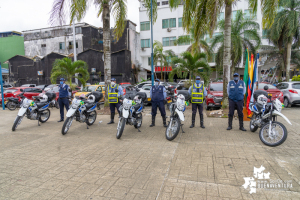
168, 27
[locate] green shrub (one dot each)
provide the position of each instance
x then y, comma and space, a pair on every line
296, 78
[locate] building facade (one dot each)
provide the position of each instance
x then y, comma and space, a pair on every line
168, 28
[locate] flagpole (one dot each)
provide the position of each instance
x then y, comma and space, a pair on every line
152, 71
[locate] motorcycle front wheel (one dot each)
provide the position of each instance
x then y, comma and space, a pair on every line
253, 127
11, 106
18, 121
44, 116
172, 129
277, 136
91, 118
120, 128
67, 125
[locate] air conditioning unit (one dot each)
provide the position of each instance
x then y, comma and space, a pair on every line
143, 49
169, 30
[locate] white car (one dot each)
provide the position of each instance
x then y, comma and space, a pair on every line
29, 85
146, 88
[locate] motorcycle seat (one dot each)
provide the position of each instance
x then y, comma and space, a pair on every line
89, 105
40, 105
12, 99
137, 106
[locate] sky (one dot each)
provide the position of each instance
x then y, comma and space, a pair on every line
21, 15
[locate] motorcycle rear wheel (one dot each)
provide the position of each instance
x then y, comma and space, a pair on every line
173, 127
18, 121
264, 134
11, 106
253, 127
120, 128
67, 125
92, 114
45, 112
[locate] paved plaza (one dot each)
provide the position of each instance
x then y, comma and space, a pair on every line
38, 162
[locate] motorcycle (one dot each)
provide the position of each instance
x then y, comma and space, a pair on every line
13, 103
272, 133
82, 110
131, 112
33, 110
53, 103
177, 109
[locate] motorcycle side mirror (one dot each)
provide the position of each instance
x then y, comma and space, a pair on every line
266, 87
21, 90
137, 89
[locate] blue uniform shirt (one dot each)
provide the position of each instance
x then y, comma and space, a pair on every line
228, 87
164, 92
64, 93
198, 85
236, 90
120, 92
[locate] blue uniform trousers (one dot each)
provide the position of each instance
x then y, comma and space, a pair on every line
161, 107
236, 105
199, 106
112, 107
63, 102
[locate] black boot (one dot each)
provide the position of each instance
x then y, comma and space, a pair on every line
164, 121
153, 121
112, 116
193, 120
229, 123
241, 124
201, 121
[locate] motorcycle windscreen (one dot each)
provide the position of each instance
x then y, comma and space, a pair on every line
22, 111
70, 112
125, 113
180, 114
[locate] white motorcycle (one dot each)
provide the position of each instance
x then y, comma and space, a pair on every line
33, 111
83, 110
177, 109
272, 132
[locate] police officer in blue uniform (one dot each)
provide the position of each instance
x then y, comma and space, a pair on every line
197, 93
158, 95
114, 92
63, 99
236, 90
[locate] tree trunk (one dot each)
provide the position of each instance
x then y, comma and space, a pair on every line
227, 51
288, 60
106, 47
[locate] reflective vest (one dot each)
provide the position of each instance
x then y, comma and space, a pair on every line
112, 95
197, 94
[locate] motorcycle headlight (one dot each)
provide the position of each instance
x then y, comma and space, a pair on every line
127, 104
180, 104
26, 103
75, 103
278, 105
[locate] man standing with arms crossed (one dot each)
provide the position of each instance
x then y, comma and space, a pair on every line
114, 92
236, 90
63, 99
158, 95
197, 93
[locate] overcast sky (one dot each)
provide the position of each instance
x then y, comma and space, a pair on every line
21, 15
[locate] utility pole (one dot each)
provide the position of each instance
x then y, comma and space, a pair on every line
74, 46
152, 71
3, 106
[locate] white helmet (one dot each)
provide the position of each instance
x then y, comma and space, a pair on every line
180, 96
262, 99
91, 98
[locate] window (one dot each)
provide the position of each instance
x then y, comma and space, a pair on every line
168, 41
165, 3
27, 90
35, 90
158, 3
295, 86
186, 41
149, 61
43, 45
221, 16
99, 89
264, 34
71, 45
61, 45
169, 23
179, 22
78, 30
233, 14
248, 15
145, 43
145, 26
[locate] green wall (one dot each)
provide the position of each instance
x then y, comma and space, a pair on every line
9, 47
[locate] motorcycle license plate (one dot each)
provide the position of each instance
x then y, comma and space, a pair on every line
221, 102
149, 99
169, 101
270, 95
5, 102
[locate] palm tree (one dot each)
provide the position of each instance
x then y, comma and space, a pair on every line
159, 56
76, 10
244, 35
191, 64
69, 70
285, 27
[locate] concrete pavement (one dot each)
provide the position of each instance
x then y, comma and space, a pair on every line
211, 163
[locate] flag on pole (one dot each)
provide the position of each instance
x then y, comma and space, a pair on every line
255, 81
250, 83
246, 74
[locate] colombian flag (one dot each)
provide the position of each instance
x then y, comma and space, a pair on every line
250, 84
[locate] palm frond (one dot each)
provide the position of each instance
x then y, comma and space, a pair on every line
120, 14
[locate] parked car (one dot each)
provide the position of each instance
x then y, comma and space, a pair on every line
214, 95
128, 88
42, 87
7, 93
273, 91
170, 86
101, 83
140, 85
90, 88
291, 92
146, 88
29, 92
7, 86
124, 83
29, 85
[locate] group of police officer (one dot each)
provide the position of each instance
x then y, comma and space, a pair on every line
236, 90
